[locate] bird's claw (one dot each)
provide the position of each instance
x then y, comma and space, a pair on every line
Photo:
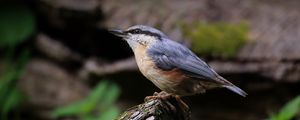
162, 95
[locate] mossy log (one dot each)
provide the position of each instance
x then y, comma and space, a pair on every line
158, 108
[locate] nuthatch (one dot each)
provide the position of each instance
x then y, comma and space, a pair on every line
171, 66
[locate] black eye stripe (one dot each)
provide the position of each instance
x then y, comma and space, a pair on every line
134, 31
139, 31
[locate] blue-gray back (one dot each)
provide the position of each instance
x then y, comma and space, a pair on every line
168, 54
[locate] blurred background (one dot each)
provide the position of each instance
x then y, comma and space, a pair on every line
58, 61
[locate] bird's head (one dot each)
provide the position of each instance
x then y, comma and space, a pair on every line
139, 35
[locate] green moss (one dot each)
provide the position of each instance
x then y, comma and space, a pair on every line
216, 39
158, 112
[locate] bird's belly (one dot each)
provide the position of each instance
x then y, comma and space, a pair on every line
171, 81
163, 81
168, 81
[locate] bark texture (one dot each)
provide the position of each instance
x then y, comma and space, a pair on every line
157, 108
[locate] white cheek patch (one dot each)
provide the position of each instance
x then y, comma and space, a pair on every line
145, 39
141, 39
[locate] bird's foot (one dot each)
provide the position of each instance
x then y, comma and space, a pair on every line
162, 95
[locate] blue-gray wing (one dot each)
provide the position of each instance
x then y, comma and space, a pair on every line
169, 55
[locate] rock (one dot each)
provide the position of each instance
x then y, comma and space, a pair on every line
48, 85
272, 50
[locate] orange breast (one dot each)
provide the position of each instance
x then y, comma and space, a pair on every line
165, 80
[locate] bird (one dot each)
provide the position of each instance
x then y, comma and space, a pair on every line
169, 65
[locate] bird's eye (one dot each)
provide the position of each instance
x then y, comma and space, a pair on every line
135, 31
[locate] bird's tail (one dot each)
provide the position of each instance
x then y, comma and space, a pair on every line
236, 89
232, 87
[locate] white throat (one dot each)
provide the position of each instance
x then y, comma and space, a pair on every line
141, 39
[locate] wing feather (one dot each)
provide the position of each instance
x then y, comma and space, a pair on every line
169, 55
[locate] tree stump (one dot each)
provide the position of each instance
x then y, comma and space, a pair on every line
158, 108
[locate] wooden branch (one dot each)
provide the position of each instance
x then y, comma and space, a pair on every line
158, 108
92, 66
55, 50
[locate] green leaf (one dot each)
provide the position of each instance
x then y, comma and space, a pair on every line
96, 96
110, 114
76, 108
6, 78
6, 81
12, 101
17, 23
13, 71
84, 106
98, 92
10, 95
112, 93
289, 110
87, 117
103, 93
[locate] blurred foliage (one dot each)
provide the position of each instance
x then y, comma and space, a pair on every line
10, 95
16, 24
99, 105
288, 111
216, 39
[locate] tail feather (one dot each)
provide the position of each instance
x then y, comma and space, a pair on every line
236, 90
231, 87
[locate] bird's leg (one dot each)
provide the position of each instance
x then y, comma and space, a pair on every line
164, 95
182, 103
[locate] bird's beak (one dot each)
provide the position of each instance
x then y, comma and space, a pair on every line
117, 32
